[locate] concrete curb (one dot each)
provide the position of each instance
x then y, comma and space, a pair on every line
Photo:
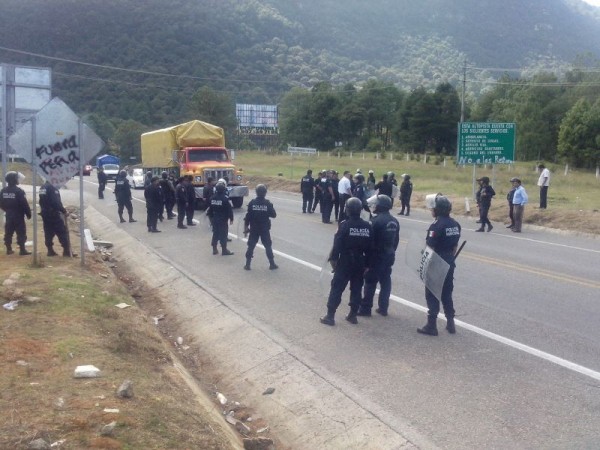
305, 411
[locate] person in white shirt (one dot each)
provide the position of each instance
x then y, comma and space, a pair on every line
543, 183
345, 191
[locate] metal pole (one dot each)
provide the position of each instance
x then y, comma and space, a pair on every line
4, 146
34, 184
81, 214
462, 101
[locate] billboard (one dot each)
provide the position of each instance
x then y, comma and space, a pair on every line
257, 119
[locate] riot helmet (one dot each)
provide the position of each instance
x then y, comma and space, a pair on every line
382, 203
353, 207
223, 181
261, 191
12, 178
123, 173
164, 174
220, 188
359, 178
442, 207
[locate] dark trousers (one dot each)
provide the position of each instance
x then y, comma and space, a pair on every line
511, 213
180, 213
125, 204
316, 201
15, 225
307, 201
265, 239
54, 225
518, 213
483, 214
220, 230
543, 197
434, 304
152, 217
382, 273
343, 199
336, 207
340, 280
326, 207
101, 188
405, 204
169, 204
189, 213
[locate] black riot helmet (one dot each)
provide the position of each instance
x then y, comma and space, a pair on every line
164, 175
220, 188
383, 203
12, 178
261, 191
442, 207
123, 173
353, 207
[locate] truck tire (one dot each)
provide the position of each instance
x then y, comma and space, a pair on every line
237, 202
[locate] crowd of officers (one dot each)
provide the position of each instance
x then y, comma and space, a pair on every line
330, 191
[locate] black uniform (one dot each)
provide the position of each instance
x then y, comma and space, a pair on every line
406, 189
385, 187
258, 222
326, 199
191, 202
386, 232
207, 192
168, 192
220, 212
336, 197
102, 180
361, 194
485, 194
318, 195
16, 206
443, 236
52, 212
123, 195
352, 247
181, 199
307, 187
154, 204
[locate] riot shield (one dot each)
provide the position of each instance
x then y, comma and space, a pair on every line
427, 265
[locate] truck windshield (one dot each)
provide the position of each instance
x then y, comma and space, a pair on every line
207, 155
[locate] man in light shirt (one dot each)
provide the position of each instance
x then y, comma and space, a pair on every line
543, 183
519, 201
345, 191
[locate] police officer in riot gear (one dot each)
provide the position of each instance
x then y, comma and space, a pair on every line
102, 180
191, 201
257, 224
182, 201
386, 235
325, 186
123, 196
442, 236
350, 255
154, 204
220, 213
16, 206
54, 215
168, 193
307, 187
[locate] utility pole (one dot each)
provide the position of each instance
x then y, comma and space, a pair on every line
462, 100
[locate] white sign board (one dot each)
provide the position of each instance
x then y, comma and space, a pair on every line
307, 150
59, 147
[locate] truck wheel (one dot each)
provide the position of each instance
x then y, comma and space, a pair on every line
237, 202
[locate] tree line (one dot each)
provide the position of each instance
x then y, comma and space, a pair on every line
557, 121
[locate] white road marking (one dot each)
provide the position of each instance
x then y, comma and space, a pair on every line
488, 334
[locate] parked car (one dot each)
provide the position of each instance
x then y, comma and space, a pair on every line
136, 177
111, 171
87, 169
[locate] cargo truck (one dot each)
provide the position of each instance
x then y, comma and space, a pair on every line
194, 148
110, 164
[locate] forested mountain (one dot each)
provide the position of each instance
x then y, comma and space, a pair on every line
257, 51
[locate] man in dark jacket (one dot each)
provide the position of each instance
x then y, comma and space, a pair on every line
181, 200
16, 206
220, 213
484, 196
191, 201
168, 192
307, 187
350, 255
154, 204
54, 215
123, 196
406, 189
386, 235
257, 224
102, 180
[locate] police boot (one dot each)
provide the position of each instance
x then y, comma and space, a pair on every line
482, 228
51, 252
490, 226
67, 253
215, 250
131, 219
121, 218
450, 325
328, 319
23, 251
351, 317
364, 312
9, 250
430, 328
247, 266
226, 252
272, 265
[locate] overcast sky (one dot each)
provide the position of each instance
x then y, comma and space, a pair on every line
593, 2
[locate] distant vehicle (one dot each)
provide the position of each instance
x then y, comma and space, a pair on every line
87, 169
111, 171
136, 177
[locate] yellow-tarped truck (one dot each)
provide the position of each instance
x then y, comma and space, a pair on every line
194, 148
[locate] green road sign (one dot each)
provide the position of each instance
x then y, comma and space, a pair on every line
486, 143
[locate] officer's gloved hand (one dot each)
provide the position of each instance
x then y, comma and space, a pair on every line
246, 231
333, 265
